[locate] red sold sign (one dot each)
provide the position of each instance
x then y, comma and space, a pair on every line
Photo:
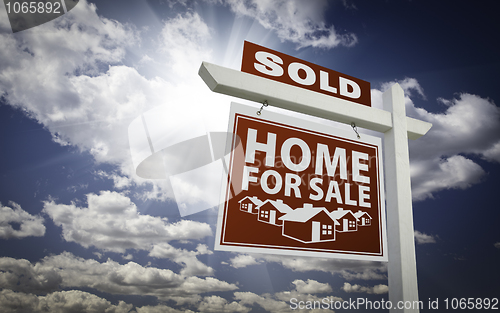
284, 68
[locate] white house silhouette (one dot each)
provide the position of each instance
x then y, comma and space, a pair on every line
309, 224
250, 204
270, 211
364, 219
346, 220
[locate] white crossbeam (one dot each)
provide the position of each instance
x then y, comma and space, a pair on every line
250, 87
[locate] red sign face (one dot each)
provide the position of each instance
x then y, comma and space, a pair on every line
303, 189
284, 68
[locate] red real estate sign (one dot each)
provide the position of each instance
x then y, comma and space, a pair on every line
284, 68
303, 189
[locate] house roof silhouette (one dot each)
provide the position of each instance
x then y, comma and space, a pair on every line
254, 200
340, 213
304, 214
278, 205
361, 213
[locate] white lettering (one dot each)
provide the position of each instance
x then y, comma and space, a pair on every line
247, 178
289, 185
324, 82
344, 89
322, 153
364, 194
270, 64
265, 186
358, 166
313, 183
293, 72
252, 146
348, 200
285, 154
333, 194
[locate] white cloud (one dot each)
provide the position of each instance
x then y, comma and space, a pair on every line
133, 279
497, 245
128, 257
17, 223
422, 238
119, 182
470, 126
243, 260
184, 257
279, 301
59, 302
455, 172
81, 301
311, 286
349, 5
77, 41
160, 308
492, 153
300, 22
305, 291
184, 38
67, 271
21, 275
217, 304
111, 222
266, 301
348, 269
378, 289
55, 74
409, 85
36, 64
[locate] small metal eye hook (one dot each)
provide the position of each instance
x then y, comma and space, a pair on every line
353, 125
264, 104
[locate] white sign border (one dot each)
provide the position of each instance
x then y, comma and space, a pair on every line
267, 115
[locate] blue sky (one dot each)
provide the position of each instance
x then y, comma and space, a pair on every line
80, 232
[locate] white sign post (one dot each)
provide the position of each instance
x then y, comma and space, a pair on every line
402, 265
395, 125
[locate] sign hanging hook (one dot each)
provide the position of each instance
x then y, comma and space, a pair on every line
353, 125
264, 104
